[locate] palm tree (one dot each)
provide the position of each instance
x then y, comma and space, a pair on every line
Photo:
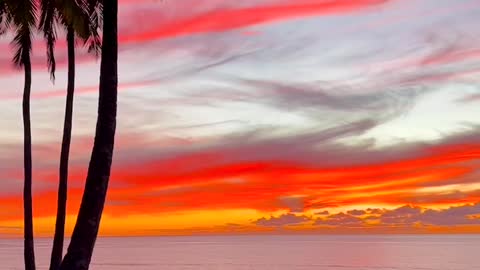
75, 19
20, 16
85, 233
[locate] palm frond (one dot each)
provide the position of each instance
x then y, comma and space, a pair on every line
23, 15
74, 13
95, 8
47, 26
85, 18
23, 45
5, 17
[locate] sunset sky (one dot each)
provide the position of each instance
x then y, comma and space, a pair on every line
265, 116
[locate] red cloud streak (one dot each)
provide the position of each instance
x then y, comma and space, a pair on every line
229, 19
175, 184
79, 90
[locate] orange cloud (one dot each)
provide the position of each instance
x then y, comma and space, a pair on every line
198, 182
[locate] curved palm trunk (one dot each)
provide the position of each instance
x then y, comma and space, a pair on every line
86, 228
57, 250
29, 253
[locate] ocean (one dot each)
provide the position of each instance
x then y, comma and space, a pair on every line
306, 252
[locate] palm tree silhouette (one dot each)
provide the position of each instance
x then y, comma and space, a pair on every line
85, 233
74, 17
20, 16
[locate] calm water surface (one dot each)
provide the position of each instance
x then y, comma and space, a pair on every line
437, 252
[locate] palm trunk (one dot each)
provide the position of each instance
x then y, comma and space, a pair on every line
29, 252
86, 228
57, 250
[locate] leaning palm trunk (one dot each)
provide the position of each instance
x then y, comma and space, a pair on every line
57, 250
86, 228
29, 253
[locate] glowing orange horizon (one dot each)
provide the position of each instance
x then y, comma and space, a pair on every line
155, 200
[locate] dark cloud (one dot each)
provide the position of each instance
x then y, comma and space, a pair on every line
408, 216
453, 216
405, 216
340, 219
283, 220
356, 212
374, 211
401, 216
